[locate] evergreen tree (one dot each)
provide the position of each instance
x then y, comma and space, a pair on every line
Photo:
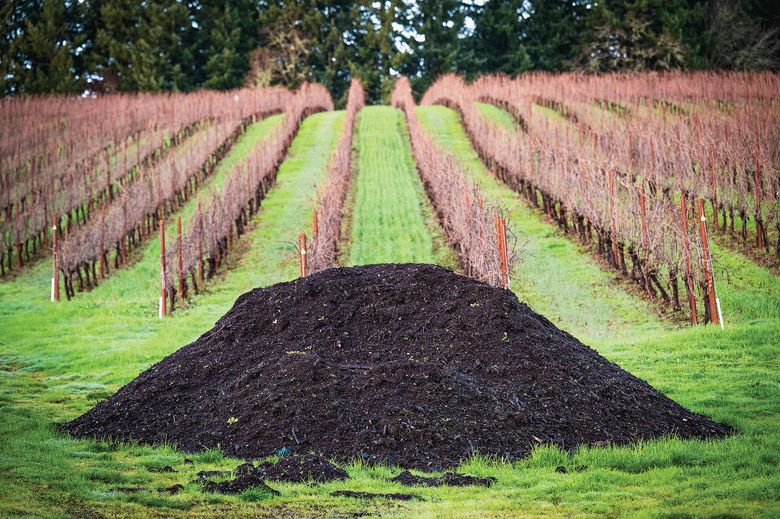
496, 44
221, 41
432, 32
127, 45
38, 53
373, 56
225, 66
552, 31
140, 47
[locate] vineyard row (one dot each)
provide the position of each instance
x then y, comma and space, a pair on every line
579, 185
200, 250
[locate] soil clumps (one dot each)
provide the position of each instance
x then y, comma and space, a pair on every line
450, 479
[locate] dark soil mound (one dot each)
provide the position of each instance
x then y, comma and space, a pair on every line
411, 364
371, 495
296, 469
450, 479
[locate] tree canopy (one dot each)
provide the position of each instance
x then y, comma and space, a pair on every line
137, 45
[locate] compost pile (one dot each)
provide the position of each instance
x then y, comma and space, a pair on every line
409, 364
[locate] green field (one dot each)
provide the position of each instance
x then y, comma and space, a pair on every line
391, 218
56, 361
496, 115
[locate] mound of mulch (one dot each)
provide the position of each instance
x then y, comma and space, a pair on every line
450, 479
408, 364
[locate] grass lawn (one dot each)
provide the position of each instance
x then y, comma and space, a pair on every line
391, 219
496, 115
57, 361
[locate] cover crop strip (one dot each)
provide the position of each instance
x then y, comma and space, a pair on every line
496, 114
471, 227
73, 201
555, 277
323, 250
67, 171
147, 265
390, 220
209, 237
255, 135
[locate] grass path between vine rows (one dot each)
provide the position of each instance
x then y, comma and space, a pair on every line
552, 276
391, 219
141, 274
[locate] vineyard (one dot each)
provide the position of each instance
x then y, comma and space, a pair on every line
639, 213
631, 171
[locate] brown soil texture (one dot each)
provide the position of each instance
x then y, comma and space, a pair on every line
295, 469
450, 479
408, 364
371, 495
238, 485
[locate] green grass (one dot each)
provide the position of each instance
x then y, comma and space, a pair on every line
57, 360
553, 275
246, 142
391, 217
498, 116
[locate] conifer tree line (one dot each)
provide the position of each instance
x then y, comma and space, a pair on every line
103, 46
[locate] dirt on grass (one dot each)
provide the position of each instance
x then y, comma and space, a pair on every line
295, 469
406, 364
372, 495
450, 479
238, 485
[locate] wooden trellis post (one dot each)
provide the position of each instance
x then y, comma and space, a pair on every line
315, 226
615, 250
18, 238
759, 218
200, 248
502, 250
302, 251
645, 238
707, 264
55, 278
687, 249
200, 260
102, 264
180, 259
163, 295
